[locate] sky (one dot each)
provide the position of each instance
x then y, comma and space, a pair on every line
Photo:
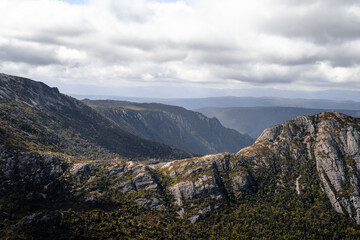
143, 47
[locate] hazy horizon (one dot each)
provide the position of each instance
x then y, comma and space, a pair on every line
193, 93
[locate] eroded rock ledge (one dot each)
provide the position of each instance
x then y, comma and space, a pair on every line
323, 148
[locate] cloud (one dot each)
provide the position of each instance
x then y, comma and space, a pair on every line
319, 21
32, 55
228, 44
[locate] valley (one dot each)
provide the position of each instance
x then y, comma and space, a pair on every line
179, 119
73, 169
254, 120
172, 125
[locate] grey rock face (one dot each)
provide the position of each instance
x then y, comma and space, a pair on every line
45, 177
42, 119
205, 178
43, 218
331, 141
338, 157
30, 175
198, 178
126, 177
183, 190
33, 94
173, 125
324, 146
81, 168
144, 181
194, 218
243, 181
154, 203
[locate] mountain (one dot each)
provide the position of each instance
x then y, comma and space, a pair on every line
196, 103
173, 125
314, 151
299, 180
253, 120
144, 94
229, 101
39, 118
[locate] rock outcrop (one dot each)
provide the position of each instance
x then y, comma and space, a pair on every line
39, 118
301, 157
328, 142
211, 180
172, 125
125, 177
27, 176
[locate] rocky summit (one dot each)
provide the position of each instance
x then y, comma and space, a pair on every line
328, 143
299, 179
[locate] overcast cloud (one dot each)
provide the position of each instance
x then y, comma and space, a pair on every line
284, 44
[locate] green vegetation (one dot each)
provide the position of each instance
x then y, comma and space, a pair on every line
172, 125
275, 211
50, 187
74, 129
272, 217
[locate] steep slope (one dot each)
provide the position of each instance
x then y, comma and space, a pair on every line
173, 125
37, 117
299, 158
327, 144
299, 180
254, 120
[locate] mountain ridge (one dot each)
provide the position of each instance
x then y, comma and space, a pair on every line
39, 117
253, 120
233, 101
172, 125
300, 179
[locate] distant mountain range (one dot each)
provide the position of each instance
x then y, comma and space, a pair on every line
175, 126
196, 103
253, 120
180, 91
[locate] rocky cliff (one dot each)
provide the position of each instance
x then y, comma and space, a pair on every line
39, 118
306, 153
301, 174
328, 142
176, 126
